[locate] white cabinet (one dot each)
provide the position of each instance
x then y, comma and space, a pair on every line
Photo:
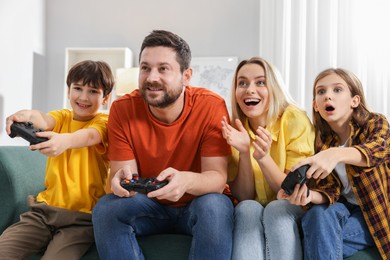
115, 57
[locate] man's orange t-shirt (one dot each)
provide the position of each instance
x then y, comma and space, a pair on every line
134, 133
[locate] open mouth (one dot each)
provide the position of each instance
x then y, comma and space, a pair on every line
329, 108
252, 101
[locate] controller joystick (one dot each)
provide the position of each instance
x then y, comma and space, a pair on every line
143, 185
293, 178
27, 131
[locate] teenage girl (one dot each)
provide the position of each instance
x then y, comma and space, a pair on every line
350, 201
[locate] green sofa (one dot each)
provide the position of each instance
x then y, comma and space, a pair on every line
22, 173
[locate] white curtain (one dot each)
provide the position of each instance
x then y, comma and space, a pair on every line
303, 37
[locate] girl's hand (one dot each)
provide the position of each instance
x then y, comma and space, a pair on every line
321, 164
262, 143
239, 139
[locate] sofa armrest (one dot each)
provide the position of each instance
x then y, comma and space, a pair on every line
22, 172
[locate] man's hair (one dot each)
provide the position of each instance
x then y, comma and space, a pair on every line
167, 39
96, 74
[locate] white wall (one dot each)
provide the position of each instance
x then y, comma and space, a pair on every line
211, 28
22, 34
32, 70
35, 33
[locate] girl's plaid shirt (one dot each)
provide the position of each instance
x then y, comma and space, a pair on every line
371, 184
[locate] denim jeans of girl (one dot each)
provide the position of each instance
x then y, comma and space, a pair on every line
118, 221
334, 232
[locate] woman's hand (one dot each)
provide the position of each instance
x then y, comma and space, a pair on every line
238, 138
262, 143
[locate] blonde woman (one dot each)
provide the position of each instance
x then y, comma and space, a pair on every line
268, 135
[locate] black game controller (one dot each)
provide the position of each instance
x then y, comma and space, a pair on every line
293, 178
27, 132
143, 185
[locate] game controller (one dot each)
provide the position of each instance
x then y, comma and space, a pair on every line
27, 131
143, 185
293, 178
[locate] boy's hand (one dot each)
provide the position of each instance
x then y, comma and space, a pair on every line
8, 122
20, 116
39, 119
56, 144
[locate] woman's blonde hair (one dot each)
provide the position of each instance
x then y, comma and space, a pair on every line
360, 114
278, 98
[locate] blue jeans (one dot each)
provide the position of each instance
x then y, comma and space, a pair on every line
334, 232
267, 233
117, 221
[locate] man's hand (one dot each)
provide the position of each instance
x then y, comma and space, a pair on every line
176, 187
116, 188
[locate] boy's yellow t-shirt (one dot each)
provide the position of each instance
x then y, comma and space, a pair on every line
76, 178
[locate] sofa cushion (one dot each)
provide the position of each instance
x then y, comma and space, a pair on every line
154, 247
22, 172
371, 253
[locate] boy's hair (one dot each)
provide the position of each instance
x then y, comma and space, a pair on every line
278, 98
360, 114
96, 74
167, 39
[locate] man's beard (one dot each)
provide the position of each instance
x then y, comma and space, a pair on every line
168, 98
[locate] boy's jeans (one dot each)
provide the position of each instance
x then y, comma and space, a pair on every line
334, 232
208, 218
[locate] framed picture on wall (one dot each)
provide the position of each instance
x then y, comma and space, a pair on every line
214, 73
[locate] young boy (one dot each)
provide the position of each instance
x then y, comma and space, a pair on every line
59, 222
